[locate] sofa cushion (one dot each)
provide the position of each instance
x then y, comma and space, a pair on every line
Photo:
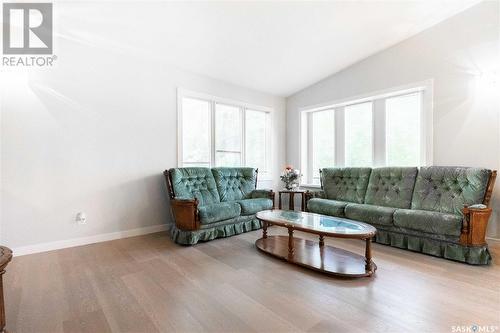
448, 189
219, 212
199, 183
253, 206
345, 184
234, 183
391, 187
428, 221
326, 207
369, 213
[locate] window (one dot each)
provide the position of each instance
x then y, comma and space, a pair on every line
227, 135
323, 141
196, 135
256, 139
217, 132
358, 135
402, 123
393, 128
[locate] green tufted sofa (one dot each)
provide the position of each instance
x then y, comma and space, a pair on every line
213, 203
441, 211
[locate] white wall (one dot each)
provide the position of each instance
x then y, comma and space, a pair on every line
94, 134
466, 111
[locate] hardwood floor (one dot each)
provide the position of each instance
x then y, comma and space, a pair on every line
149, 284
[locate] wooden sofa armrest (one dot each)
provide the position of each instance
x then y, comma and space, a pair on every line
185, 213
474, 225
271, 196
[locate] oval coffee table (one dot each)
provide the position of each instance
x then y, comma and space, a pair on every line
317, 255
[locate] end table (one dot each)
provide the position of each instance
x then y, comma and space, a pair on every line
5, 258
291, 203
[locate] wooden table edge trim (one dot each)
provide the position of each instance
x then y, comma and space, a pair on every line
286, 224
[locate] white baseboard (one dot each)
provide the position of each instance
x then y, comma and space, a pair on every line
49, 246
62, 244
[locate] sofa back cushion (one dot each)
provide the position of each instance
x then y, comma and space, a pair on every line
391, 187
234, 183
448, 189
196, 183
345, 184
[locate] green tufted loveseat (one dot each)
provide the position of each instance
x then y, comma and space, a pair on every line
441, 211
213, 203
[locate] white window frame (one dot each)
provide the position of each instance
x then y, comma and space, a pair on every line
243, 107
378, 122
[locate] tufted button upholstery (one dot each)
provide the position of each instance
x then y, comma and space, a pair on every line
196, 183
448, 189
234, 183
345, 184
391, 187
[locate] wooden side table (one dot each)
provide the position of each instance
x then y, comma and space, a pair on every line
5, 258
291, 203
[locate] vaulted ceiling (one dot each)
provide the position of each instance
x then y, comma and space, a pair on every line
275, 47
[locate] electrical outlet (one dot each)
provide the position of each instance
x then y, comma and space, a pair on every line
81, 218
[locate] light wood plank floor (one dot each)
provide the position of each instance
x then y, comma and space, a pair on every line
149, 284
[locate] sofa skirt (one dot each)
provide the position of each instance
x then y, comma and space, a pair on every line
474, 255
222, 229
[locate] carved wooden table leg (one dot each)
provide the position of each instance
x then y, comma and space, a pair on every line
290, 243
264, 229
368, 255
5, 257
322, 250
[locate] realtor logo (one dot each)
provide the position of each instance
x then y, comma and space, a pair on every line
27, 28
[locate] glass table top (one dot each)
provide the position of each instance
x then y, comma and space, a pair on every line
316, 222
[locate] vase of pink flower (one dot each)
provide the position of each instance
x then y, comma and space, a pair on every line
291, 178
